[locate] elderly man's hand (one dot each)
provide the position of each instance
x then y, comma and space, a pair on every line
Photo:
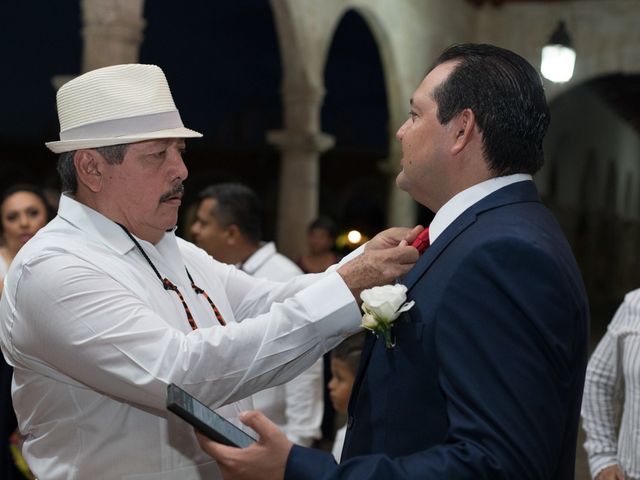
265, 459
385, 258
392, 237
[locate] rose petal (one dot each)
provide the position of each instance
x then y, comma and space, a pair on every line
369, 321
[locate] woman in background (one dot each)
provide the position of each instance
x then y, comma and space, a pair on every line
23, 211
321, 241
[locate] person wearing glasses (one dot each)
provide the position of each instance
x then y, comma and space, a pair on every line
105, 307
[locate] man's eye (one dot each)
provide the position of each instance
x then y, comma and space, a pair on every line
413, 115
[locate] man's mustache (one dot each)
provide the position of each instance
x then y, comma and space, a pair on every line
178, 190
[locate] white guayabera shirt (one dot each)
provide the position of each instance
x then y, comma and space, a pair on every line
94, 340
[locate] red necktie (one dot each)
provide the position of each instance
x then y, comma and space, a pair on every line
422, 241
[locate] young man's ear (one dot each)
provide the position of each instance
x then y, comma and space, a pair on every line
463, 128
88, 165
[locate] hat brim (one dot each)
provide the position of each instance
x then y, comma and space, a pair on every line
70, 145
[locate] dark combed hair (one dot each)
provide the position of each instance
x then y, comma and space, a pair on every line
507, 98
114, 155
27, 187
236, 204
349, 351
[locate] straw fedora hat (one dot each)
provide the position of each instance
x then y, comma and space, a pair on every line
114, 105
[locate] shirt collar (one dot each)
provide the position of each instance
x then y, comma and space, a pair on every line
95, 224
463, 200
255, 261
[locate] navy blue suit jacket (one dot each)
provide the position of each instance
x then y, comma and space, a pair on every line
485, 380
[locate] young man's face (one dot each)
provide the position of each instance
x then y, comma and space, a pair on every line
425, 142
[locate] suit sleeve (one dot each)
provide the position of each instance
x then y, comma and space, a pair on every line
507, 331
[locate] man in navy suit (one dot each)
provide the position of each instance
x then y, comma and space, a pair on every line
485, 378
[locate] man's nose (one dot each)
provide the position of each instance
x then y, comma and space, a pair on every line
183, 171
401, 130
178, 167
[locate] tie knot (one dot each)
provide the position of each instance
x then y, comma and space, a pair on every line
422, 241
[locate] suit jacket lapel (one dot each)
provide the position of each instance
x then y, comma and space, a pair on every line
516, 192
367, 348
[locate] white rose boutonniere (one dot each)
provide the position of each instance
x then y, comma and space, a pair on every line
381, 307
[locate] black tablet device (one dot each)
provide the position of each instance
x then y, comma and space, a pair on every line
206, 420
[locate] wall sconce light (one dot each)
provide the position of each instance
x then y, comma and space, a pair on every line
558, 56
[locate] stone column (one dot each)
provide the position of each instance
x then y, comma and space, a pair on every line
112, 32
300, 143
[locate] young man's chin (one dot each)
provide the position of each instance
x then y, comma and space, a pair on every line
401, 181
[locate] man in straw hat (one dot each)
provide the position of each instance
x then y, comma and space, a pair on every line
105, 306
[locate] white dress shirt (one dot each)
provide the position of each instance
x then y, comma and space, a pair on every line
3, 267
612, 386
94, 340
470, 196
297, 406
338, 443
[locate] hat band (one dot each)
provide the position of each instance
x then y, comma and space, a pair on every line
120, 127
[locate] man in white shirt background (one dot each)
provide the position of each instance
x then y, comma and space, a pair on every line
105, 306
228, 226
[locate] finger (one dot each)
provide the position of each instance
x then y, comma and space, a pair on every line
405, 254
413, 233
394, 235
259, 422
215, 449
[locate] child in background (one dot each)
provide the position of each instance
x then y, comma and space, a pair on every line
344, 365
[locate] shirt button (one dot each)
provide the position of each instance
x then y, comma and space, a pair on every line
350, 421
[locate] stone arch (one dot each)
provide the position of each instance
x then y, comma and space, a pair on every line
355, 112
401, 209
390, 65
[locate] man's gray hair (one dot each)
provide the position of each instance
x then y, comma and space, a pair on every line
113, 154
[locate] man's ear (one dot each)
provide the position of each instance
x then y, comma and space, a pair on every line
233, 234
463, 128
89, 165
